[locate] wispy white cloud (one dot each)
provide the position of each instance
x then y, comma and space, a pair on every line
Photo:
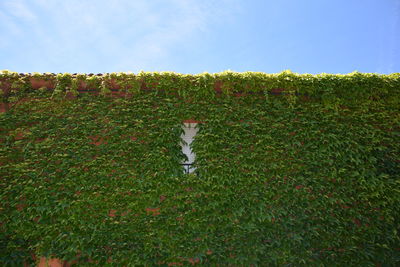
189, 20
19, 9
9, 25
118, 35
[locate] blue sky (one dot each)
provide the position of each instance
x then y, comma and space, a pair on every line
195, 36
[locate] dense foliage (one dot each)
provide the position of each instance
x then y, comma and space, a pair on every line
332, 89
303, 186
280, 180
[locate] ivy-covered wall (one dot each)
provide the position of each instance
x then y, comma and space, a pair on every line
332, 89
291, 170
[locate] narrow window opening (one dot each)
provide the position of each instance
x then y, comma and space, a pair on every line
190, 130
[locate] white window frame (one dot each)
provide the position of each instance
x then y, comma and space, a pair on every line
190, 130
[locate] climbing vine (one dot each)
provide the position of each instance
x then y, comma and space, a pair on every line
291, 170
